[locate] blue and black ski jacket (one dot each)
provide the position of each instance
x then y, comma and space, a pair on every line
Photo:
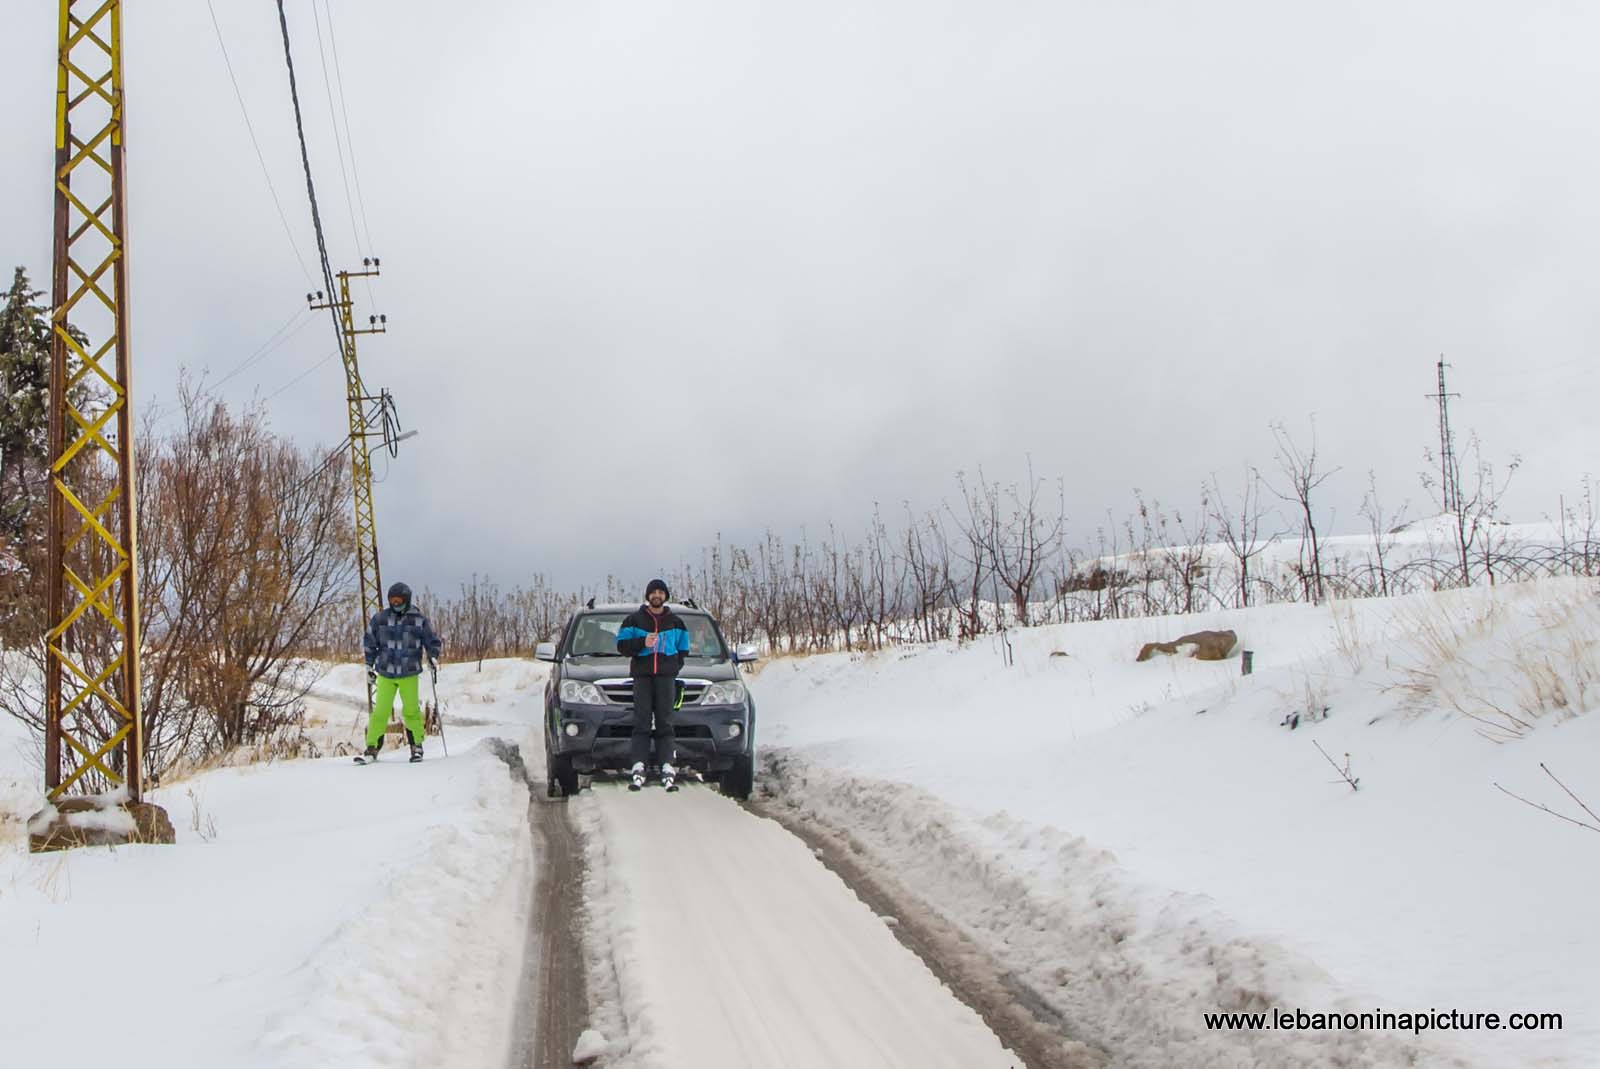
671, 647
396, 639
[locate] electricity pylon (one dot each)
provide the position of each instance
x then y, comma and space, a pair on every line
371, 416
92, 715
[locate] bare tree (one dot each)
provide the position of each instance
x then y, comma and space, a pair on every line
1472, 514
1239, 524
245, 547
977, 523
1302, 477
1190, 568
1025, 540
1383, 529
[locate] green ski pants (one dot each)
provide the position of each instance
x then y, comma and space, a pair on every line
383, 705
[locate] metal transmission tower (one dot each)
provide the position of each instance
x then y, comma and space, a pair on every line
371, 416
92, 716
1449, 474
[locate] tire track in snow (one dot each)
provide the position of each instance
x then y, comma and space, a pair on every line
730, 945
1022, 1018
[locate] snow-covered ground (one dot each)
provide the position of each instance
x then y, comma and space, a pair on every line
312, 913
1138, 844
1115, 830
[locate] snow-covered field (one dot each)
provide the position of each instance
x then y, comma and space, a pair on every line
312, 913
1138, 844
1115, 830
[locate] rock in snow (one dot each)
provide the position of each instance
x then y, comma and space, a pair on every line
589, 1047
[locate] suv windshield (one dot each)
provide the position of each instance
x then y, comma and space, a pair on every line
595, 635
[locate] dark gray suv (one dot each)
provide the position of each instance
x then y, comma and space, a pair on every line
588, 703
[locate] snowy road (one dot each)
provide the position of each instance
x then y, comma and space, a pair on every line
730, 944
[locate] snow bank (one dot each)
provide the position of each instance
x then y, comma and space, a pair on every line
419, 977
311, 913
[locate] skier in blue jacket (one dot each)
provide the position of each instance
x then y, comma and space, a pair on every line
656, 640
395, 641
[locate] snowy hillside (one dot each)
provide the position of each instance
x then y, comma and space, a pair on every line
1116, 830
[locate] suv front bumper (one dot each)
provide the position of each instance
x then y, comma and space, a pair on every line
710, 738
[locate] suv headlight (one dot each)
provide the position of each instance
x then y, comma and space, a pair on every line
723, 694
579, 693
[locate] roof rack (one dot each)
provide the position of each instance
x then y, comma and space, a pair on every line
690, 602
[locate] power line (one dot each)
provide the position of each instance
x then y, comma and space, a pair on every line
300, 376
273, 341
350, 140
338, 451
311, 189
333, 117
260, 158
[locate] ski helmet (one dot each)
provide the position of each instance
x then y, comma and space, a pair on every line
400, 590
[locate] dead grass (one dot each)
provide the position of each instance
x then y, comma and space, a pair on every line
1506, 660
201, 823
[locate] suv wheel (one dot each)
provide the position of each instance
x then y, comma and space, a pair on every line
562, 776
740, 780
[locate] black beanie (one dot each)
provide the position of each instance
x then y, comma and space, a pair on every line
657, 584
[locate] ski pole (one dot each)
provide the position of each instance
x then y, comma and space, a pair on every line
438, 710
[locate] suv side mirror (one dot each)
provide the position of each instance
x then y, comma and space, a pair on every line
544, 651
746, 651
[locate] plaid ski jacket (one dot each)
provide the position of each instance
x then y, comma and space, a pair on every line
395, 641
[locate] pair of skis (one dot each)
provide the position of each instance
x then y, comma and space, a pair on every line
669, 782
364, 759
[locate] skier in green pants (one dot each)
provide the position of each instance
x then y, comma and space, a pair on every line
396, 639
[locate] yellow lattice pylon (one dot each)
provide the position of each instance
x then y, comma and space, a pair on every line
93, 727
364, 425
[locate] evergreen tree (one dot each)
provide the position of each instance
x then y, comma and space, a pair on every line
24, 404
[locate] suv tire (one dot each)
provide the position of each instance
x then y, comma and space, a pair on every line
740, 780
563, 777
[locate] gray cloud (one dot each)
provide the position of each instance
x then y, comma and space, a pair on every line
658, 272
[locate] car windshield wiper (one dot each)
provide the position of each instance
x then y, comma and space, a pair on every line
594, 655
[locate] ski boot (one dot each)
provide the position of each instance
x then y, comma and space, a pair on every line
636, 776
367, 756
669, 777
416, 752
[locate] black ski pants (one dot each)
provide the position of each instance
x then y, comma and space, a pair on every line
653, 698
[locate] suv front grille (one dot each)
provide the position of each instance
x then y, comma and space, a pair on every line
620, 691
680, 731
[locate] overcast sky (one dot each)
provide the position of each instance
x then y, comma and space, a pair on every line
658, 271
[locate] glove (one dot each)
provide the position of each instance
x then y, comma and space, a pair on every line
372, 675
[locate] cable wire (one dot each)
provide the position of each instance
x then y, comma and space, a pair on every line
333, 117
349, 139
350, 143
300, 376
260, 158
311, 189
266, 347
